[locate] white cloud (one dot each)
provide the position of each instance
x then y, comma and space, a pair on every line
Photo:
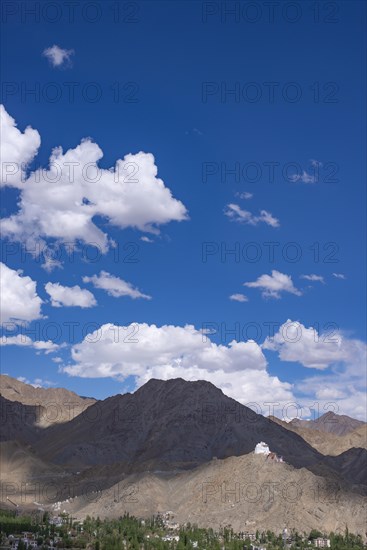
114, 286
63, 201
37, 383
313, 277
339, 275
69, 296
40, 383
305, 177
342, 386
294, 342
273, 285
116, 350
23, 340
146, 239
17, 149
147, 351
58, 57
19, 299
338, 392
245, 195
235, 213
238, 298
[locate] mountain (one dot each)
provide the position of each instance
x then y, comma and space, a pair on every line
163, 444
18, 462
337, 424
55, 405
19, 422
246, 493
328, 443
176, 425
175, 422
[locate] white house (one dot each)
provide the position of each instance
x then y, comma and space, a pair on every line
322, 543
262, 449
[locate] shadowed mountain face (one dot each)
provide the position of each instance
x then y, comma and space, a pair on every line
18, 421
331, 423
176, 422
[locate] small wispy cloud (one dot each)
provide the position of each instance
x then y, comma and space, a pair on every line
114, 286
245, 195
238, 298
37, 382
339, 275
58, 57
146, 239
25, 341
194, 131
313, 277
306, 177
236, 214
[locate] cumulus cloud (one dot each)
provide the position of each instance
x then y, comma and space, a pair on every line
58, 57
238, 298
295, 342
336, 391
114, 286
19, 299
69, 296
339, 275
273, 285
23, 340
313, 277
17, 150
236, 214
147, 351
63, 201
341, 386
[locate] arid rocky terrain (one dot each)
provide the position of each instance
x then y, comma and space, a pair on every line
185, 447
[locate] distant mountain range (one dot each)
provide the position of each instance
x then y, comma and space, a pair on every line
330, 423
328, 442
172, 434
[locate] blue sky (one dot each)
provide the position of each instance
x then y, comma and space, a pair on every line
257, 133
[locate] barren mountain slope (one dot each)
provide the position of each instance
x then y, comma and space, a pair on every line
170, 421
337, 424
55, 404
247, 492
328, 443
19, 422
